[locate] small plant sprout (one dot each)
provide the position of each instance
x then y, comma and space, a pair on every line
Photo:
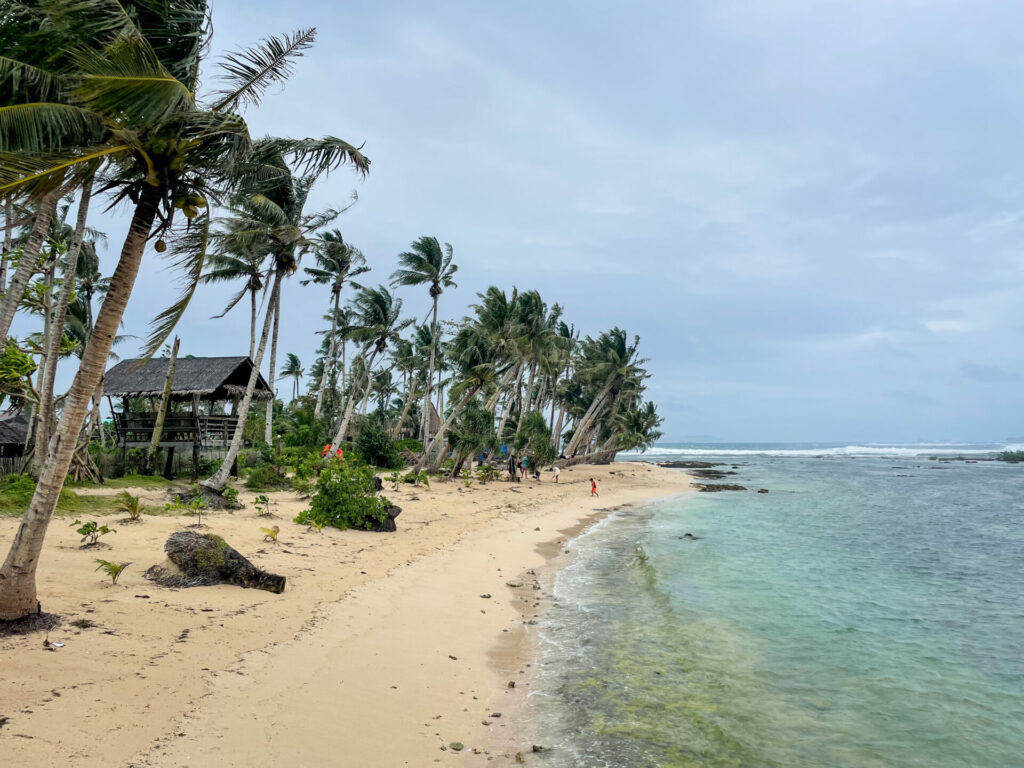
113, 570
395, 478
127, 503
271, 533
467, 478
231, 494
196, 507
91, 531
314, 525
262, 504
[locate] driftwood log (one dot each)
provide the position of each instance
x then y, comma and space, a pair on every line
205, 559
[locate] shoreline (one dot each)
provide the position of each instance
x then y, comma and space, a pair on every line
382, 648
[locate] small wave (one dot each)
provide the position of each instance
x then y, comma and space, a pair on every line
902, 450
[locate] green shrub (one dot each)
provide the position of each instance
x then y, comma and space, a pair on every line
265, 477
345, 498
376, 447
409, 444
1011, 456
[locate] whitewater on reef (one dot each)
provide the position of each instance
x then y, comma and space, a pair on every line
868, 611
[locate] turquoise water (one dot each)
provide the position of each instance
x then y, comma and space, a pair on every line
866, 612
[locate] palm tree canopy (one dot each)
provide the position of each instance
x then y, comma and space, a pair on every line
427, 261
292, 366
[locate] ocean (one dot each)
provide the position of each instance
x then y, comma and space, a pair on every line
868, 611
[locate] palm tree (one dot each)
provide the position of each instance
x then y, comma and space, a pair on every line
293, 368
605, 365
248, 266
427, 263
336, 261
377, 323
121, 92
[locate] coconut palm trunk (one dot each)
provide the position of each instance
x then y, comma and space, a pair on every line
410, 395
165, 403
27, 265
220, 478
425, 416
55, 332
254, 312
18, 573
353, 398
318, 409
8, 240
511, 400
585, 423
268, 429
438, 442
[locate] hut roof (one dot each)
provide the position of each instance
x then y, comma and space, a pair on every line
13, 427
211, 378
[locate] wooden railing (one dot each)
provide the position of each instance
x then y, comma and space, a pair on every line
136, 429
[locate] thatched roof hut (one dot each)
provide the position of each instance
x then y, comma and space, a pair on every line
13, 431
208, 378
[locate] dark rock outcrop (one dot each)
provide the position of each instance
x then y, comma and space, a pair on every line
387, 525
714, 487
762, 490
204, 559
712, 474
689, 464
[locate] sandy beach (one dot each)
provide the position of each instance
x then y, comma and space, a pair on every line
384, 649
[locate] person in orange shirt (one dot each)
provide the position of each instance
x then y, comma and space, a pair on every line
593, 488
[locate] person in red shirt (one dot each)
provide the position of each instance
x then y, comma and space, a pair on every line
593, 488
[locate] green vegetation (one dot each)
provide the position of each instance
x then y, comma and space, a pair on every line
112, 569
16, 492
409, 444
345, 498
91, 531
125, 502
1013, 457
376, 447
270, 534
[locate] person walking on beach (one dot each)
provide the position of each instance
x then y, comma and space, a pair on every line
593, 488
557, 473
512, 467
523, 465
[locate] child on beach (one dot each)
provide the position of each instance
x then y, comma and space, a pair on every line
593, 488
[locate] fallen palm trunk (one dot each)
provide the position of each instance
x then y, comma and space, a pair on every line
205, 559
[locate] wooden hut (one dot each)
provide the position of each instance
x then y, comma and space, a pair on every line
13, 432
205, 394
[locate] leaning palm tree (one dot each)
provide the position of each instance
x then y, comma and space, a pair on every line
122, 91
378, 322
336, 261
247, 266
293, 367
427, 263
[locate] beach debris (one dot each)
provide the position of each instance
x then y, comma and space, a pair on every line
513, 584
453, 658
495, 715
538, 748
205, 559
486, 595
511, 683
457, 746
485, 722
4, 721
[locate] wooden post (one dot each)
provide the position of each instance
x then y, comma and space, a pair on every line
161, 415
195, 439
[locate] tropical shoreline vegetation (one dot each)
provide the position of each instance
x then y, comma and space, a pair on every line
112, 102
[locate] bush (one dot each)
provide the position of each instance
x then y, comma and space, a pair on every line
345, 498
264, 477
1011, 456
376, 447
409, 444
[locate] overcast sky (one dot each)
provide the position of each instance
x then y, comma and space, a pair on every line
809, 211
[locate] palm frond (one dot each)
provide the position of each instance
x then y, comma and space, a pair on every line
317, 156
189, 253
40, 127
248, 73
